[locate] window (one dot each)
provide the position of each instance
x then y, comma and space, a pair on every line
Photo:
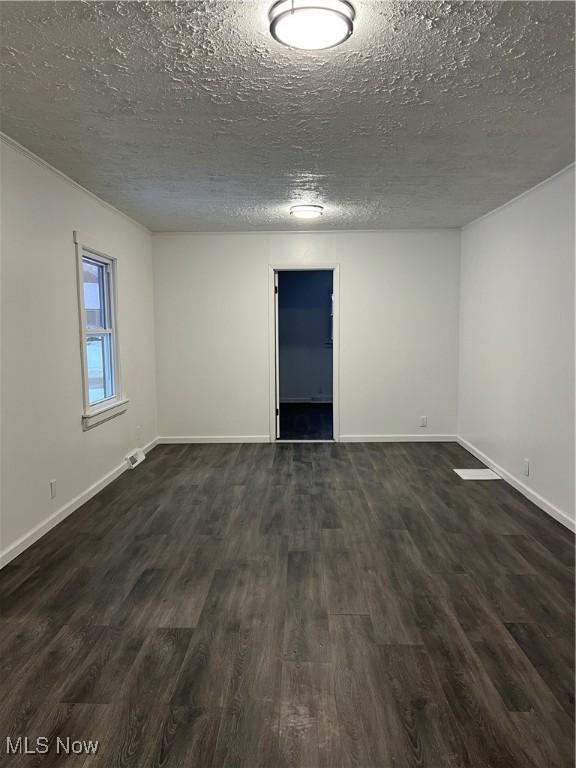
98, 330
100, 365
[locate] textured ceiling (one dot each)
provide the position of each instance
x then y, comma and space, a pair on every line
188, 116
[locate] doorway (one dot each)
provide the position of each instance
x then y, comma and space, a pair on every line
305, 325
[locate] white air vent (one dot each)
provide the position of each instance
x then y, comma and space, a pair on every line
477, 474
136, 457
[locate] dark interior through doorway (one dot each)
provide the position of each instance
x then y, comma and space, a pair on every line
305, 339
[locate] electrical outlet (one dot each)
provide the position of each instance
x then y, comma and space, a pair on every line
52, 489
526, 467
423, 421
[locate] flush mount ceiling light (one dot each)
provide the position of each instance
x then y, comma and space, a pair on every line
311, 24
306, 211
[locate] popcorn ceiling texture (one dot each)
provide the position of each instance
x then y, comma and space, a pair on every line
189, 116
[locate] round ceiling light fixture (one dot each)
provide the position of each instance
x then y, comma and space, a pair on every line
311, 24
306, 211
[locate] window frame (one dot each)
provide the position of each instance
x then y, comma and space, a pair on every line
109, 407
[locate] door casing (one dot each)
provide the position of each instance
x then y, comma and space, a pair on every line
272, 341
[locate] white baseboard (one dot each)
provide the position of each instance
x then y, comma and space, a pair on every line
25, 541
46, 525
419, 438
152, 444
525, 490
175, 439
15, 549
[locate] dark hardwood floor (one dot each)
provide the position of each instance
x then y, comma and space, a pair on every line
306, 605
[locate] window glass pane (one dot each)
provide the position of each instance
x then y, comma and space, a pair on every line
94, 279
100, 367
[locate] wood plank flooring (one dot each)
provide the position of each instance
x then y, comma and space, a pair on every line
304, 606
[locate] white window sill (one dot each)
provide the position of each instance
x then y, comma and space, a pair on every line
99, 415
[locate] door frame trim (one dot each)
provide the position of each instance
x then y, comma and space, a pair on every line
321, 267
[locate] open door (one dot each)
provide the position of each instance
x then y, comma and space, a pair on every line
277, 355
304, 357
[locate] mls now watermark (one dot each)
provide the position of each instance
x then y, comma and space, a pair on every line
24, 745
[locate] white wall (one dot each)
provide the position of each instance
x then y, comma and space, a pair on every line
42, 436
516, 390
398, 320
